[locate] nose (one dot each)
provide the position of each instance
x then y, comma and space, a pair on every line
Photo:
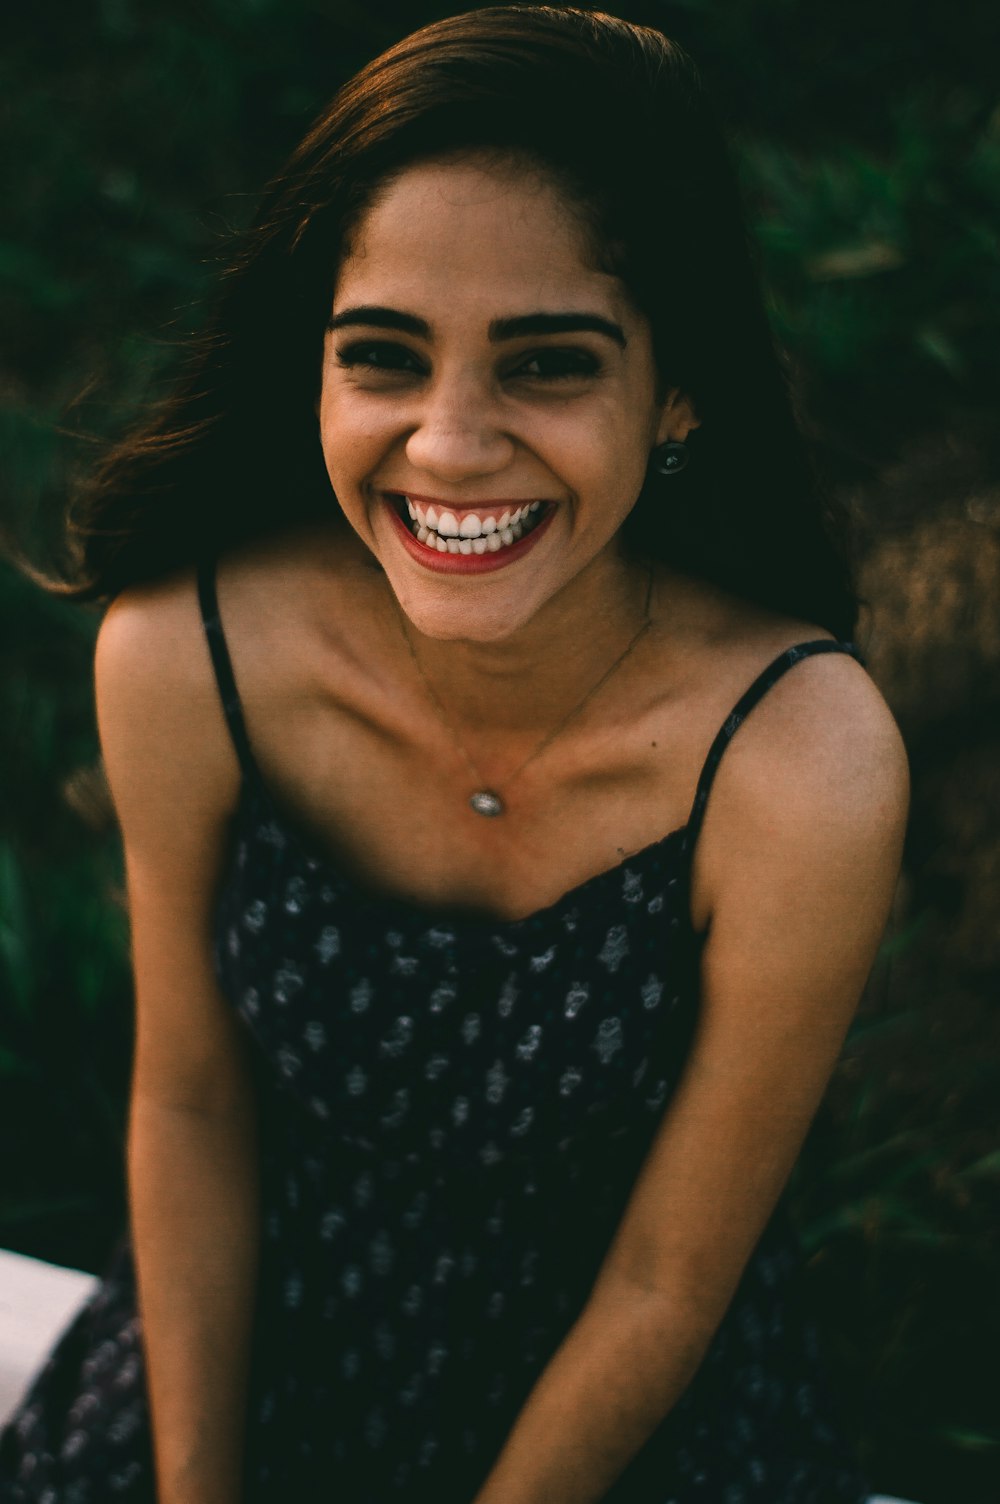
459, 434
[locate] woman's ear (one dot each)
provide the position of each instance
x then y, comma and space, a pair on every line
677, 417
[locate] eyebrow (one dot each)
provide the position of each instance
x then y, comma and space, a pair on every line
522, 326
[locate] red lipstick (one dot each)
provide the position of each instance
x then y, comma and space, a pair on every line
486, 563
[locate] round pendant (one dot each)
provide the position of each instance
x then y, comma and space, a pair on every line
485, 802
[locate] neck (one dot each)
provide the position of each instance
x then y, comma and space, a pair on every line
523, 683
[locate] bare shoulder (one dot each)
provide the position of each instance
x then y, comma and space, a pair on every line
154, 624
823, 743
822, 730
174, 779
163, 735
292, 610
816, 779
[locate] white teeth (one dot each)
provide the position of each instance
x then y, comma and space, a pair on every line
475, 534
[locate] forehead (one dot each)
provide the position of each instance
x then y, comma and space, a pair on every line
474, 236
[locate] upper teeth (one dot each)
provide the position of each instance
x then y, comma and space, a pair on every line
472, 525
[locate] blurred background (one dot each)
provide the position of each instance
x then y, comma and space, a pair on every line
868, 139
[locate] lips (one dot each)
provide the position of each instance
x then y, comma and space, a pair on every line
463, 540
480, 530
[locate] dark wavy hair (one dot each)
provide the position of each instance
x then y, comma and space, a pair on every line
617, 117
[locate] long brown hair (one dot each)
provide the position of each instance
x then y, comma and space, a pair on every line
617, 115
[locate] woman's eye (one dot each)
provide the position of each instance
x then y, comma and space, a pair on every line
556, 365
542, 365
378, 355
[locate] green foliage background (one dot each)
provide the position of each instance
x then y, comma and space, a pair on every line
869, 143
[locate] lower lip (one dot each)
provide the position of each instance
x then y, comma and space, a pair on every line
467, 563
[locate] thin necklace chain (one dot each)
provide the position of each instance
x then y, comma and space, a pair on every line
482, 791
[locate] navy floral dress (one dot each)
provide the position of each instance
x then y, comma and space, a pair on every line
453, 1112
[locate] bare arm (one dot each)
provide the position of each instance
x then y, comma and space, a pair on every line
191, 1144
801, 871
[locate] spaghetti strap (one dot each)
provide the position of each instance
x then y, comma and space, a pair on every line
223, 666
758, 689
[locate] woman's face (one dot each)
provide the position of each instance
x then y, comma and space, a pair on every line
488, 399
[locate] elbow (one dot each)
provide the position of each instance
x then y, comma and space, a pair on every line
675, 1320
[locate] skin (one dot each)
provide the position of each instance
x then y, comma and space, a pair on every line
793, 875
461, 418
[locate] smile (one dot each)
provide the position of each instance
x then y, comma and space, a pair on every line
475, 532
468, 538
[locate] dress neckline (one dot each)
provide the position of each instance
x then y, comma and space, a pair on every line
257, 806
290, 834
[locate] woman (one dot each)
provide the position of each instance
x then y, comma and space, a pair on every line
470, 1065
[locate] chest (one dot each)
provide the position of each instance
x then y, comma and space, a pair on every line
391, 806
471, 1040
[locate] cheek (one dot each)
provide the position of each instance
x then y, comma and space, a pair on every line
613, 456
351, 436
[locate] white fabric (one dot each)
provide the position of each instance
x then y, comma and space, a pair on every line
36, 1303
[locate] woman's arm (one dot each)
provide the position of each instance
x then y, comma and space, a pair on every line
191, 1144
797, 867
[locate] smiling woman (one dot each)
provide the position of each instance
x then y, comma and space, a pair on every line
555, 408
457, 1145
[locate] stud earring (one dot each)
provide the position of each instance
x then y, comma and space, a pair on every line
670, 458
